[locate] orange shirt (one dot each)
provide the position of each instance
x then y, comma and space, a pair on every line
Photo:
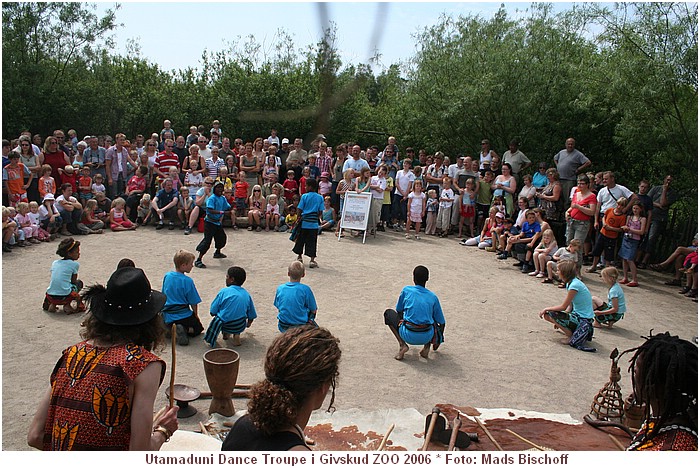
614, 220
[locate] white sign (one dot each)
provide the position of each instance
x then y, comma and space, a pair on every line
355, 212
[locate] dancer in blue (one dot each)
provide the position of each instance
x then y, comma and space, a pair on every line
295, 301
232, 308
213, 229
418, 318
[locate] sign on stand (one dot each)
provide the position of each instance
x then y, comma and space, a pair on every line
355, 213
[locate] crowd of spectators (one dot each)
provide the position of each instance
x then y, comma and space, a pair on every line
61, 185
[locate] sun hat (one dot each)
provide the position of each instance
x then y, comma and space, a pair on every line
500, 215
128, 299
49, 196
326, 175
285, 140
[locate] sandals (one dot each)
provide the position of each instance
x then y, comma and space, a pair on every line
624, 281
632, 284
561, 286
547, 281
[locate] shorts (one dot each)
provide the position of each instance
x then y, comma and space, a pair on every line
568, 321
240, 203
467, 211
483, 210
606, 319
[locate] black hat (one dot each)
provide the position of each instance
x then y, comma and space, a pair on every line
128, 299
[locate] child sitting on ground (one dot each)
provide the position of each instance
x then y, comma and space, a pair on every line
24, 222
143, 211
327, 216
104, 205
607, 313
117, 217
572, 252
690, 268
290, 219
43, 234
543, 253
49, 217
295, 301
65, 286
89, 220
272, 213
232, 308
8, 229
182, 299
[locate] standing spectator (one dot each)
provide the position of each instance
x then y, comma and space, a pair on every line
610, 193
116, 162
662, 197
486, 154
570, 162
517, 160
54, 157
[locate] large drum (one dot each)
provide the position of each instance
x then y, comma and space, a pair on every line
221, 370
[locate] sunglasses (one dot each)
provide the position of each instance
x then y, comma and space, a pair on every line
208, 183
256, 190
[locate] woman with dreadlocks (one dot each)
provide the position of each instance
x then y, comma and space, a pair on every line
301, 365
665, 380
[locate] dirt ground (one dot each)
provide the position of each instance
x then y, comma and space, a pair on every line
497, 352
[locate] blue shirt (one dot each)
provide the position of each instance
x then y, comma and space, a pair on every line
539, 179
233, 303
61, 273
311, 204
295, 302
420, 306
216, 203
529, 230
582, 304
165, 197
180, 291
356, 165
616, 292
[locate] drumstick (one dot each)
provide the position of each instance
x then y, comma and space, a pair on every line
488, 434
431, 428
455, 429
173, 341
203, 429
617, 442
538, 447
386, 438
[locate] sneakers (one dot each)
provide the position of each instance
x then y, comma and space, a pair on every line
503, 256
171, 226
199, 264
182, 338
313, 264
218, 254
490, 249
188, 230
160, 226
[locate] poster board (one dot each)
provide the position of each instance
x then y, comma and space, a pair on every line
355, 213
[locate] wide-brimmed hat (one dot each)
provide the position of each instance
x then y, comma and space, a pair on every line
49, 196
326, 175
128, 299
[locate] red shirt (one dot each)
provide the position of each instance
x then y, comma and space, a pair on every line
241, 189
613, 220
85, 181
290, 188
165, 161
70, 179
136, 183
587, 202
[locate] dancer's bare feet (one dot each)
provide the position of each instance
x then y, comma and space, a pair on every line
236, 340
402, 351
596, 324
564, 341
226, 336
424, 352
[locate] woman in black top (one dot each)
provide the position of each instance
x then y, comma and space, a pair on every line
301, 366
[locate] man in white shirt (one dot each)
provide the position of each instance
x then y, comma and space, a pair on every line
404, 186
610, 193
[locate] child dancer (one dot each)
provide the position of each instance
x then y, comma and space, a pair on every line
575, 315
633, 232
117, 217
65, 286
295, 301
543, 253
416, 208
607, 313
182, 299
232, 308
431, 209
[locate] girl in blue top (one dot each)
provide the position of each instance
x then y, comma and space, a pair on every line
607, 313
310, 208
65, 286
575, 315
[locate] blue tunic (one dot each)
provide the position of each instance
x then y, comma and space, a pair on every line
616, 292
61, 273
295, 302
233, 303
181, 293
216, 203
310, 205
420, 306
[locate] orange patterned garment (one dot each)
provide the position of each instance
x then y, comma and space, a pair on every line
671, 437
90, 407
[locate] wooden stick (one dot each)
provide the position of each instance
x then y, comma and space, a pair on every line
234, 394
532, 444
488, 434
173, 341
158, 414
386, 438
455, 430
203, 429
431, 427
617, 442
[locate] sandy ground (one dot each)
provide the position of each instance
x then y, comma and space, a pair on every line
497, 352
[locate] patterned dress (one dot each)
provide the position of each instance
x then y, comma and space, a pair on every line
672, 437
90, 406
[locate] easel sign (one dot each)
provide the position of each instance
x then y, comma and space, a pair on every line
355, 213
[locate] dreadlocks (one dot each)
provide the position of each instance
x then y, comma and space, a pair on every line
665, 378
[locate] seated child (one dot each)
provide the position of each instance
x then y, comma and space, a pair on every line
98, 185
272, 213
543, 253
184, 206
181, 306
607, 313
24, 222
104, 205
232, 308
327, 216
690, 268
8, 229
143, 211
65, 286
49, 218
88, 218
290, 219
524, 243
295, 301
117, 216
571, 252
43, 235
